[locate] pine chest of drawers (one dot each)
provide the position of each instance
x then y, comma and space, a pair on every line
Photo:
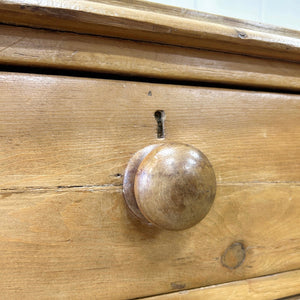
84, 86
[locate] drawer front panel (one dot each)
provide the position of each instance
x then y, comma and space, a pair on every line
64, 227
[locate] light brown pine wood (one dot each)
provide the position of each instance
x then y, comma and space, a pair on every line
146, 5
80, 242
40, 48
65, 231
267, 287
59, 130
64, 228
143, 22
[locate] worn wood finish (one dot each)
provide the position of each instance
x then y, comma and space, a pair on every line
201, 16
65, 230
62, 130
138, 23
40, 48
64, 227
128, 182
267, 288
79, 242
59, 131
197, 15
173, 185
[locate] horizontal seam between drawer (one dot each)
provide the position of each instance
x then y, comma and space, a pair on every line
118, 187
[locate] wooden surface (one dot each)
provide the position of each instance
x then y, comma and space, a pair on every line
174, 186
267, 288
144, 22
64, 228
81, 243
53, 125
40, 48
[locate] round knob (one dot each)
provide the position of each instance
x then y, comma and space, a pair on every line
170, 185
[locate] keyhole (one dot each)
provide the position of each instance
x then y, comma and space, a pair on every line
160, 117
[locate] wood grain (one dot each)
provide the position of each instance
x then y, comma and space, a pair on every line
64, 228
138, 23
267, 288
174, 185
40, 48
200, 16
80, 242
61, 131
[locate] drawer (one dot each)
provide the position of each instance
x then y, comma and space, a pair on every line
65, 230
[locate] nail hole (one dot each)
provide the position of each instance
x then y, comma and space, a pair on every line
160, 119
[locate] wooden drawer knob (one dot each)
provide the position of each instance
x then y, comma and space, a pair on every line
170, 185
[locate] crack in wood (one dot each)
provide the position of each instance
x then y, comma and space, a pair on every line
61, 188
117, 187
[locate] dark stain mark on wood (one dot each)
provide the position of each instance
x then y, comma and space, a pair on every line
177, 286
233, 256
149, 93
